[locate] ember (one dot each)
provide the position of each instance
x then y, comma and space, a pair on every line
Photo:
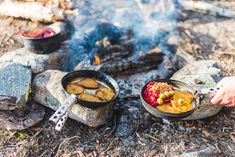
97, 59
37, 33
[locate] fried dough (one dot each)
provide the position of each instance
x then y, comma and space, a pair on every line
89, 97
73, 88
89, 83
105, 93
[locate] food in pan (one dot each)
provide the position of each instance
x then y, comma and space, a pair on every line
90, 89
89, 83
38, 33
73, 88
105, 93
162, 96
89, 97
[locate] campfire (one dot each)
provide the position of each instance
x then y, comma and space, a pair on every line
114, 66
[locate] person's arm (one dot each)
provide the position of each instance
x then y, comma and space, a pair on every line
226, 94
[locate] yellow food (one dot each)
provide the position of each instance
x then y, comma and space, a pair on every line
162, 96
73, 88
181, 103
89, 83
105, 93
172, 93
89, 97
160, 101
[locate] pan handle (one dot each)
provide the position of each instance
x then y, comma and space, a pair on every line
61, 122
63, 108
201, 94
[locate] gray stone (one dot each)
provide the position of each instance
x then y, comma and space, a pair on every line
37, 62
15, 83
208, 72
49, 92
22, 118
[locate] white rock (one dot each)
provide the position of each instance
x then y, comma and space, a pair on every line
206, 71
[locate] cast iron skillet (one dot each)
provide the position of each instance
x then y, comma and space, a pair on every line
92, 74
176, 85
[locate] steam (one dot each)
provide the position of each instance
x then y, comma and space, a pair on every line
151, 22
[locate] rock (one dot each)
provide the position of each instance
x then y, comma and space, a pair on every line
37, 62
15, 83
49, 92
208, 72
22, 118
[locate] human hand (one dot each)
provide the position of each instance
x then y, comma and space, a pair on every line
225, 96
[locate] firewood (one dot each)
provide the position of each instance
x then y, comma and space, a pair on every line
30, 10
206, 7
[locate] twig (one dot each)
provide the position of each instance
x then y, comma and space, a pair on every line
155, 139
67, 139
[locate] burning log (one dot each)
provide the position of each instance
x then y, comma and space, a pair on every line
206, 7
30, 10
126, 65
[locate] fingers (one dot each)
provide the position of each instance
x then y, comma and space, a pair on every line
221, 82
210, 95
217, 99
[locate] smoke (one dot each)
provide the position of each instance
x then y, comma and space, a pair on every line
151, 22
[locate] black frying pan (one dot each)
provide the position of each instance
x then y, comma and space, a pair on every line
109, 81
60, 116
176, 85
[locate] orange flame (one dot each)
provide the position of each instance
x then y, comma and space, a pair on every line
97, 59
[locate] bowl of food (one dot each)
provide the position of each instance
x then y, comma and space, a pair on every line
93, 89
41, 40
169, 99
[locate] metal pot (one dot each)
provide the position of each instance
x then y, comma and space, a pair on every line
43, 45
176, 85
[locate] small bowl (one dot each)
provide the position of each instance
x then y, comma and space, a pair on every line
43, 45
176, 85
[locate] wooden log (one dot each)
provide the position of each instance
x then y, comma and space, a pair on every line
206, 7
128, 65
31, 10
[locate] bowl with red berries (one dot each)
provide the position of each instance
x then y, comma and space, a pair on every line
170, 99
41, 40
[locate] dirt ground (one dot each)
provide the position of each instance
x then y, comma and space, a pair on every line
152, 137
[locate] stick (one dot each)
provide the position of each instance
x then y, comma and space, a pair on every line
30, 10
211, 8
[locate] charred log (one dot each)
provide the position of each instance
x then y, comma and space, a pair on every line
31, 10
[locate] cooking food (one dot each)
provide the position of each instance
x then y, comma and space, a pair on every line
89, 97
73, 88
89, 83
105, 93
166, 99
90, 89
38, 33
